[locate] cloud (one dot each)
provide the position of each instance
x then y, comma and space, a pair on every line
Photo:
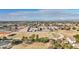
40, 15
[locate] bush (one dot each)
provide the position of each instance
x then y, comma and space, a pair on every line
24, 38
44, 40
15, 42
32, 36
37, 36
77, 37
59, 45
12, 34
4, 38
67, 46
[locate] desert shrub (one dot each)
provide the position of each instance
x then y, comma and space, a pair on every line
32, 36
67, 46
4, 38
74, 28
24, 38
44, 40
78, 30
57, 46
37, 36
60, 45
77, 37
0, 39
15, 42
12, 34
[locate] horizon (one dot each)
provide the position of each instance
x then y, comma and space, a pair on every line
39, 14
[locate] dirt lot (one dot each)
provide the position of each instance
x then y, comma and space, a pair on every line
36, 45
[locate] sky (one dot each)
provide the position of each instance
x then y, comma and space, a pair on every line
39, 14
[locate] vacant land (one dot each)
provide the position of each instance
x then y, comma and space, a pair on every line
40, 35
